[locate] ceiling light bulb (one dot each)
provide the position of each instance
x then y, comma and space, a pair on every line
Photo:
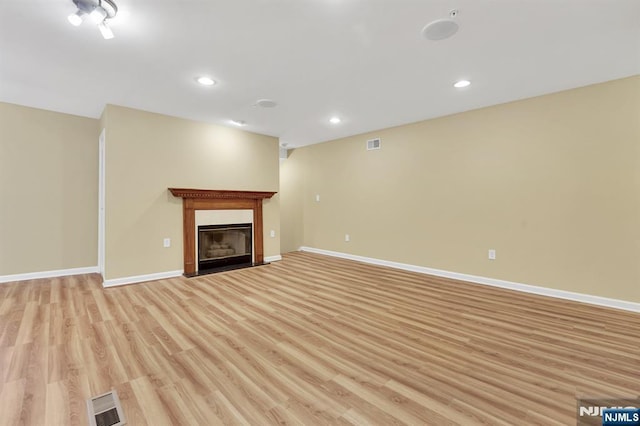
334, 120
239, 123
75, 19
98, 15
461, 83
205, 81
106, 32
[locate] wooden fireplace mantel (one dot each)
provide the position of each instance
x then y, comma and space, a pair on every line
211, 199
217, 194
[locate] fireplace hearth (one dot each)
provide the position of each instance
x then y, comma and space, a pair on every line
223, 246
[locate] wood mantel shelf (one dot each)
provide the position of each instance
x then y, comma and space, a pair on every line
214, 193
213, 199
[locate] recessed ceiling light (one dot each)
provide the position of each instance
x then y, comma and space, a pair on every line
334, 120
239, 123
461, 83
205, 81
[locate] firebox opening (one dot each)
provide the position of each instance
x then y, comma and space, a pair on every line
224, 246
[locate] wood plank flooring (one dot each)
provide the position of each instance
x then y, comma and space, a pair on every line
308, 340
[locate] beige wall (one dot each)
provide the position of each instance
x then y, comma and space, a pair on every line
147, 153
292, 201
552, 183
48, 190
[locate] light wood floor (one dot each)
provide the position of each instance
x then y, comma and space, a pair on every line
311, 340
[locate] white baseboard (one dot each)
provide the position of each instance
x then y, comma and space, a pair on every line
544, 291
48, 274
141, 278
161, 275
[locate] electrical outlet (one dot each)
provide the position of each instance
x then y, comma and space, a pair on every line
166, 242
492, 254
347, 238
272, 233
317, 198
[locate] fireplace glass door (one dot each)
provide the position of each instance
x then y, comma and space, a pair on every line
222, 246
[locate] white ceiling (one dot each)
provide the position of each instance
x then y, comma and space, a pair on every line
363, 60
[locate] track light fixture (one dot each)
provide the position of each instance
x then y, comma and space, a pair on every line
99, 11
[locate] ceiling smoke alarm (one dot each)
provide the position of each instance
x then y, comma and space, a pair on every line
266, 103
441, 29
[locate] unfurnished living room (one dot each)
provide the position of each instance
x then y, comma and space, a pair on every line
319, 212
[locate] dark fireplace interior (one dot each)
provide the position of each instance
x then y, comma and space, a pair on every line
223, 247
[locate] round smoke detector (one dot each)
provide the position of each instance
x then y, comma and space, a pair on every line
266, 103
440, 29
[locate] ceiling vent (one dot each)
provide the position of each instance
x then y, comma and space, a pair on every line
284, 152
105, 410
373, 144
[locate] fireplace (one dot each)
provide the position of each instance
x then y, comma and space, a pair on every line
211, 199
223, 246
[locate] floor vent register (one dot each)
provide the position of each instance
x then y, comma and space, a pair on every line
105, 410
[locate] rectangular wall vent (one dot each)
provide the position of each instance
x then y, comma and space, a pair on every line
105, 410
284, 153
373, 144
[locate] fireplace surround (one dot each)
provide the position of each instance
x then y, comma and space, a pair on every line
209, 199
